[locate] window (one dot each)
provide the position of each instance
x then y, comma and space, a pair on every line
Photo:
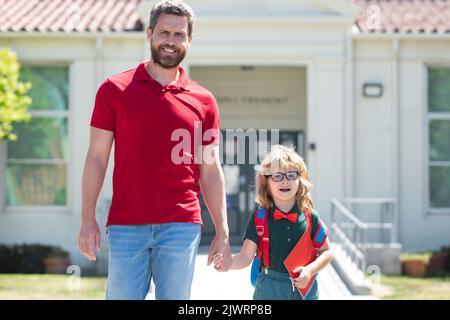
36, 173
439, 137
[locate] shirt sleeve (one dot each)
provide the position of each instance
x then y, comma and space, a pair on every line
211, 123
104, 115
319, 232
250, 232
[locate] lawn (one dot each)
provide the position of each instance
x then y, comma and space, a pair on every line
58, 287
53, 287
408, 288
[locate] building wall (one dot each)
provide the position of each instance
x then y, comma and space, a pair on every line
320, 63
231, 86
390, 150
90, 62
385, 144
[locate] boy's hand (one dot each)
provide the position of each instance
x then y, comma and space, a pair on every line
217, 260
305, 275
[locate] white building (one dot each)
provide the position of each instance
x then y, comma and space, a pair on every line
296, 65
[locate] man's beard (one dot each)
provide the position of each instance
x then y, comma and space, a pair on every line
167, 61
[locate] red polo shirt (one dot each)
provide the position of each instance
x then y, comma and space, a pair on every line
151, 124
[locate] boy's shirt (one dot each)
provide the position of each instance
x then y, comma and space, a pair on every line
284, 235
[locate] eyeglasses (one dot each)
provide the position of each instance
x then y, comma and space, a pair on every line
290, 175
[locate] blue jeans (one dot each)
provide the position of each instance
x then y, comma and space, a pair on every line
164, 252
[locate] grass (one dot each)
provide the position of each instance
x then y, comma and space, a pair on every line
413, 256
408, 288
49, 287
55, 287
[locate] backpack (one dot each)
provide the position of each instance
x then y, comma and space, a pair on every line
262, 229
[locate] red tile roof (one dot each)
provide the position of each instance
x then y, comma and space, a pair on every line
69, 15
404, 16
375, 16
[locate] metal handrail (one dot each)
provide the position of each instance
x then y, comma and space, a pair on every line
348, 214
355, 245
369, 200
385, 203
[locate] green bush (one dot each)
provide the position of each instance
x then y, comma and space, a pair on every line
27, 258
14, 101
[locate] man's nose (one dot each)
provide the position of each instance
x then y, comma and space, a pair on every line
171, 40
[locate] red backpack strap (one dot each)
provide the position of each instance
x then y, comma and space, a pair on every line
262, 229
308, 220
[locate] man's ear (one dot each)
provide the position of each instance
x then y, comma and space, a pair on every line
149, 33
190, 39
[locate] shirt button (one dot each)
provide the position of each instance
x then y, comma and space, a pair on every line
289, 240
163, 90
289, 228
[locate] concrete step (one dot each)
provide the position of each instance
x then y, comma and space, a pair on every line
349, 273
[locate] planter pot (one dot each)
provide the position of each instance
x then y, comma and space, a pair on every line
415, 267
56, 265
438, 262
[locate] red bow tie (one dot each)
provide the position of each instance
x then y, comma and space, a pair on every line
292, 217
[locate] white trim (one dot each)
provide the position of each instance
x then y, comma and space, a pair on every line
37, 209
346, 8
49, 113
439, 115
311, 104
349, 132
396, 133
70, 138
279, 20
37, 161
400, 36
66, 114
141, 35
438, 212
74, 35
425, 143
261, 61
440, 164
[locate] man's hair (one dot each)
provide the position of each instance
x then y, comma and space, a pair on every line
174, 7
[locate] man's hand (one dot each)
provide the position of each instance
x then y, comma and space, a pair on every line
89, 239
220, 245
93, 176
212, 183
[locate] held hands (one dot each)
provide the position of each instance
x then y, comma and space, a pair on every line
220, 246
218, 260
303, 279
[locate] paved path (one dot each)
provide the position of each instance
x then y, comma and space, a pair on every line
209, 284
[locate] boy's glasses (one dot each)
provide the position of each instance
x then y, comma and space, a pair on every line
290, 175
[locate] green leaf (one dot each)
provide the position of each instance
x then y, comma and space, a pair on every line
14, 102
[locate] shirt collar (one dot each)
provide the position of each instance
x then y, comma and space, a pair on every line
294, 209
141, 74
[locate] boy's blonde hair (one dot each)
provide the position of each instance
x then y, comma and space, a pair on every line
283, 158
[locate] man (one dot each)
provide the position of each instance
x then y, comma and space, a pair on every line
154, 222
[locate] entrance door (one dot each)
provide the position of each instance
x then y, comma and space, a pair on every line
240, 184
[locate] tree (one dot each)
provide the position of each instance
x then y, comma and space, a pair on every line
14, 101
